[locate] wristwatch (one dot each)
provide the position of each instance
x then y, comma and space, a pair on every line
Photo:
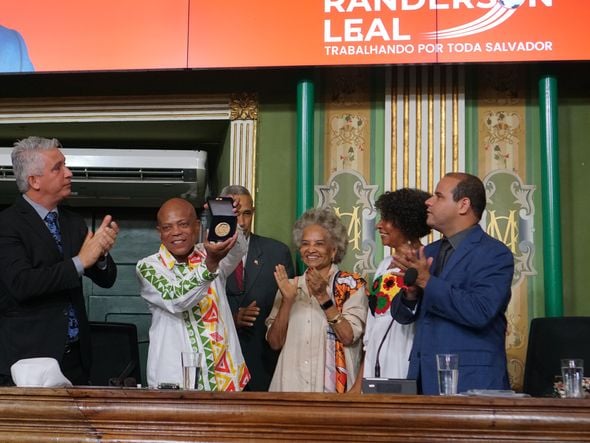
327, 304
335, 320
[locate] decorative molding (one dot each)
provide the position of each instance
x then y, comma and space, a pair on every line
243, 131
244, 106
113, 109
93, 414
243, 154
241, 110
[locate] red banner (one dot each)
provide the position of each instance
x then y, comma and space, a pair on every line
91, 35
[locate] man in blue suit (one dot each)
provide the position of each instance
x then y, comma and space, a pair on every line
14, 56
465, 280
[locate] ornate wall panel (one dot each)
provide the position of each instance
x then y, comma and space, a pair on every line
347, 152
347, 123
425, 113
501, 126
425, 133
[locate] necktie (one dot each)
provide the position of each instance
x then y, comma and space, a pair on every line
239, 273
51, 222
73, 328
443, 255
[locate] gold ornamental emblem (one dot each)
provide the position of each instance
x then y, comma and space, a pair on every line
222, 229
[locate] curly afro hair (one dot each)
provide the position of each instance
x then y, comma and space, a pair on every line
406, 210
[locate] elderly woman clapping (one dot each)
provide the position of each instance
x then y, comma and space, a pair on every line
318, 318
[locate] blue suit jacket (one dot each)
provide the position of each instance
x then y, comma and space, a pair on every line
462, 312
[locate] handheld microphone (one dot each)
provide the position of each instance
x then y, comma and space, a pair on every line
410, 277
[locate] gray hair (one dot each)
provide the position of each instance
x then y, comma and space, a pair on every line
234, 190
327, 219
26, 160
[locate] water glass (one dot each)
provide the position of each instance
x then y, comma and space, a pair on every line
448, 373
191, 369
572, 373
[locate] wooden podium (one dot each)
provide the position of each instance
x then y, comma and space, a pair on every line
144, 415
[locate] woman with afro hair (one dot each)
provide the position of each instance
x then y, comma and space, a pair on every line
402, 225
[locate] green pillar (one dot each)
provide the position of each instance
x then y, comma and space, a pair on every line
305, 108
550, 194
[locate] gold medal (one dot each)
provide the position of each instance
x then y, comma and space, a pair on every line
222, 229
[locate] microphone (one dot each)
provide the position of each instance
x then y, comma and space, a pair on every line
410, 277
377, 364
372, 303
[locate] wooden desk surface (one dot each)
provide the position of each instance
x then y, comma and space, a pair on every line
143, 415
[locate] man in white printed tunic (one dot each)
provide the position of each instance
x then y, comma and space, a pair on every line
184, 285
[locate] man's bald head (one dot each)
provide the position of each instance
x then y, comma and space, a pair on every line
176, 204
179, 227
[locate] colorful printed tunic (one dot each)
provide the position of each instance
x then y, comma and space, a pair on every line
190, 311
395, 352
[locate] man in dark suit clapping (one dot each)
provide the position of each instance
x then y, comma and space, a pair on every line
251, 290
44, 252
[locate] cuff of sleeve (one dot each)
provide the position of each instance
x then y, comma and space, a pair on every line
102, 263
208, 275
409, 303
78, 265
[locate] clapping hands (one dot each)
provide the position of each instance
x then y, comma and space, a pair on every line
288, 289
99, 243
316, 283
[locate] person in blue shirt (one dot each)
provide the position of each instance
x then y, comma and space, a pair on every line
14, 56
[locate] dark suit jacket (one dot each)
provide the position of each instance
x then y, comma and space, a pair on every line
462, 312
260, 285
37, 284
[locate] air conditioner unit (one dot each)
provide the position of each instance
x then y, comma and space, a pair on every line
124, 177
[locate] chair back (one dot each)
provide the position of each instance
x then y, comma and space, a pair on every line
550, 340
115, 354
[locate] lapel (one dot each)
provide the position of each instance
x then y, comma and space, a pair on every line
464, 248
254, 262
30, 218
435, 247
66, 233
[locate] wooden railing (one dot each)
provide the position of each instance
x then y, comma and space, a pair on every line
142, 415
